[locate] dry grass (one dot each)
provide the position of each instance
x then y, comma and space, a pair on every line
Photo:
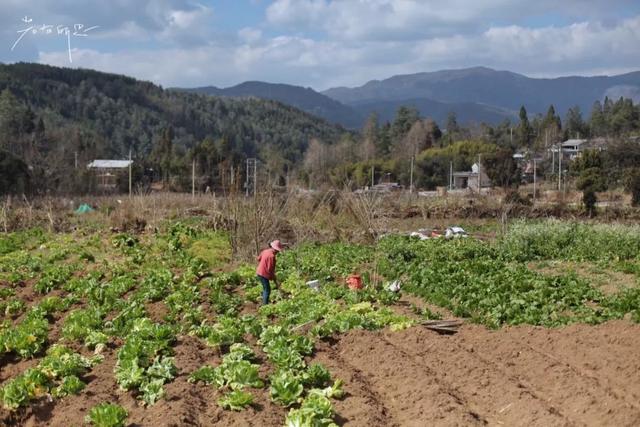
251, 222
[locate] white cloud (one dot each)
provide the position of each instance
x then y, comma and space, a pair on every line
250, 35
418, 19
581, 48
324, 43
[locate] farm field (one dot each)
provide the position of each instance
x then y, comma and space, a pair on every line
163, 328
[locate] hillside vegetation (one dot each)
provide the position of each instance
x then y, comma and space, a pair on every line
47, 114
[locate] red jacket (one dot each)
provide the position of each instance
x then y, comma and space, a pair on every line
267, 264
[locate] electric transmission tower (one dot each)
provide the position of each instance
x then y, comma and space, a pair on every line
250, 183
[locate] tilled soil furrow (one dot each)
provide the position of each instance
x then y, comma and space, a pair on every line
362, 406
482, 385
587, 398
413, 396
597, 352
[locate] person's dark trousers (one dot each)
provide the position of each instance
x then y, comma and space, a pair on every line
266, 289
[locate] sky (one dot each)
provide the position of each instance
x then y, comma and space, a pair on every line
321, 43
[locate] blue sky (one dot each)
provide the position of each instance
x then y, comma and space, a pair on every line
323, 43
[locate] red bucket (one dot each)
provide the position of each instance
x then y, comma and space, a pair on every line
354, 281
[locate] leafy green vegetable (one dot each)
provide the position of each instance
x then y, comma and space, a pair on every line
58, 373
316, 375
70, 385
236, 400
143, 362
316, 411
208, 375
107, 415
285, 388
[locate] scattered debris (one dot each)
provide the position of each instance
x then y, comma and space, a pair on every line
84, 208
455, 232
395, 286
422, 234
314, 284
443, 326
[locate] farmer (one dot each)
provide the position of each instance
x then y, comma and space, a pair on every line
267, 268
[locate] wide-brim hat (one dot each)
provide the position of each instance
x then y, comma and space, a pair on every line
276, 245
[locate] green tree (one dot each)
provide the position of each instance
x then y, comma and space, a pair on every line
452, 127
405, 118
632, 185
524, 129
14, 174
384, 140
163, 154
502, 169
598, 121
14, 121
591, 178
624, 117
551, 129
575, 127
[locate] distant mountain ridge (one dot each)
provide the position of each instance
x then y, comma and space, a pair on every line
305, 99
500, 89
353, 116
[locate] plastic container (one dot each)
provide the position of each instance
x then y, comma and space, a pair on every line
314, 284
354, 281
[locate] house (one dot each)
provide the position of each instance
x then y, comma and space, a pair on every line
471, 179
107, 172
573, 147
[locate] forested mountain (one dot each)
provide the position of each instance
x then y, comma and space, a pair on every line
466, 112
501, 89
475, 95
305, 99
50, 115
354, 115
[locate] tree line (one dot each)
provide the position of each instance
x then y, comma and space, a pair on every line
54, 119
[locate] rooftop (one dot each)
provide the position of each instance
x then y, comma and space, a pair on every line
573, 142
109, 164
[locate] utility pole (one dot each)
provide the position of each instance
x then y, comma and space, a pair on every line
411, 177
76, 159
250, 183
511, 130
372, 175
130, 163
232, 175
450, 176
546, 138
559, 167
193, 179
480, 173
534, 181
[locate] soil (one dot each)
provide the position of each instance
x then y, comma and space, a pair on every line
576, 375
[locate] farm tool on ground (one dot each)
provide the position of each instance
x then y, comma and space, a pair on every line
442, 326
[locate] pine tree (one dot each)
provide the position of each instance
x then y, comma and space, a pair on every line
575, 126
405, 118
524, 129
597, 121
